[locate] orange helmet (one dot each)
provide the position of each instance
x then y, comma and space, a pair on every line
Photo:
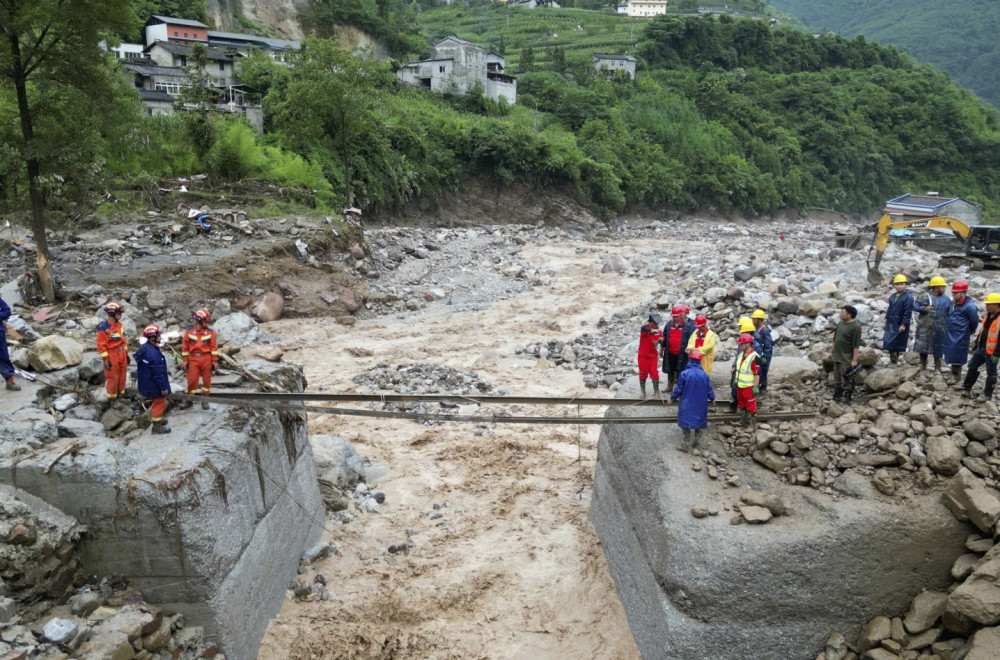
151, 330
112, 307
700, 321
202, 315
746, 338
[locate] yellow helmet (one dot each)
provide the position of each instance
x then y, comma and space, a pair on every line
759, 314
746, 325
900, 279
937, 280
993, 298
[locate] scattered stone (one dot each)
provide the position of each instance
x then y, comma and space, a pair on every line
874, 632
21, 535
60, 631
924, 611
772, 503
979, 430
699, 511
943, 456
968, 498
268, 307
156, 300
237, 329
54, 352
984, 645
884, 482
755, 515
882, 380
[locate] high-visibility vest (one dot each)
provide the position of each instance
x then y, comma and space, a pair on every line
744, 369
992, 335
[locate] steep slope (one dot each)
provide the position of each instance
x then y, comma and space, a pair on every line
958, 37
282, 15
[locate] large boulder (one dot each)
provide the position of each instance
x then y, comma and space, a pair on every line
703, 588
984, 644
969, 498
978, 598
882, 380
268, 307
54, 352
943, 455
237, 329
336, 461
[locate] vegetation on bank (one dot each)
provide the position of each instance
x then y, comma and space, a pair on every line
956, 37
725, 112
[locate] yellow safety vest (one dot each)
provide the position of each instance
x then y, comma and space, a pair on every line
744, 369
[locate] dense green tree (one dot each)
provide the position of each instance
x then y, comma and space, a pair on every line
51, 58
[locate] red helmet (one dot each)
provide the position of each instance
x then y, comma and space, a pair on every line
960, 285
151, 330
685, 309
202, 315
677, 310
695, 354
746, 338
112, 307
700, 321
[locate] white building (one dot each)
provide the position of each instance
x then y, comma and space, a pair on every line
607, 64
646, 8
456, 65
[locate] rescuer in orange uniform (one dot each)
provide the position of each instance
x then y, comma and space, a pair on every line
200, 352
112, 345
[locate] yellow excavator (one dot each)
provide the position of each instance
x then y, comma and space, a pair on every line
982, 242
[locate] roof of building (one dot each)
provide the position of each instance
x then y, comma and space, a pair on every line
174, 48
610, 56
154, 70
924, 201
435, 59
250, 39
177, 21
457, 39
155, 95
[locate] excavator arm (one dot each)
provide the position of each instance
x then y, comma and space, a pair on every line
884, 227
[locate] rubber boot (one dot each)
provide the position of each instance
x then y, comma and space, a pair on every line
160, 427
923, 361
696, 438
685, 441
642, 388
893, 357
969, 382
848, 396
838, 393
956, 373
204, 403
937, 364
752, 420
744, 417
656, 389
12, 386
991, 383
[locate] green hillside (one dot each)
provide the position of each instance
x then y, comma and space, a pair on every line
958, 37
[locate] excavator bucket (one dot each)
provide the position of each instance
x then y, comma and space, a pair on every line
874, 277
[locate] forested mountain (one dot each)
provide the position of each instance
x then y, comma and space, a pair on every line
730, 113
959, 37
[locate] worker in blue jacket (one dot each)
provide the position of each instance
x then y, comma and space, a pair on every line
962, 321
766, 342
898, 318
694, 391
6, 366
151, 376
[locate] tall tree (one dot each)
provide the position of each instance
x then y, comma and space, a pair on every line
51, 45
329, 102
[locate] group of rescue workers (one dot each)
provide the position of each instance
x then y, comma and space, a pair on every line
686, 350
199, 356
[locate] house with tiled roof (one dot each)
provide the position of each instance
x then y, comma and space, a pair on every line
933, 204
456, 65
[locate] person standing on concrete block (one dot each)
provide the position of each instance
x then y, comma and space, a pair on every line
766, 342
112, 345
153, 380
704, 340
747, 380
963, 319
932, 322
844, 353
650, 338
200, 352
694, 391
675, 340
899, 315
986, 351
6, 366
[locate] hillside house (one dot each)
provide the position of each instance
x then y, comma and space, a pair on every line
244, 44
646, 8
607, 64
222, 66
456, 65
165, 28
933, 204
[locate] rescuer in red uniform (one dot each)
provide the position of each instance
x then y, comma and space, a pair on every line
200, 352
112, 345
649, 353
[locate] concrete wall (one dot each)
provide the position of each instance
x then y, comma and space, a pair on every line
703, 588
210, 521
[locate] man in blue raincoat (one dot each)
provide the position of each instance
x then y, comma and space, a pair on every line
962, 321
897, 319
932, 322
694, 390
151, 377
6, 367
